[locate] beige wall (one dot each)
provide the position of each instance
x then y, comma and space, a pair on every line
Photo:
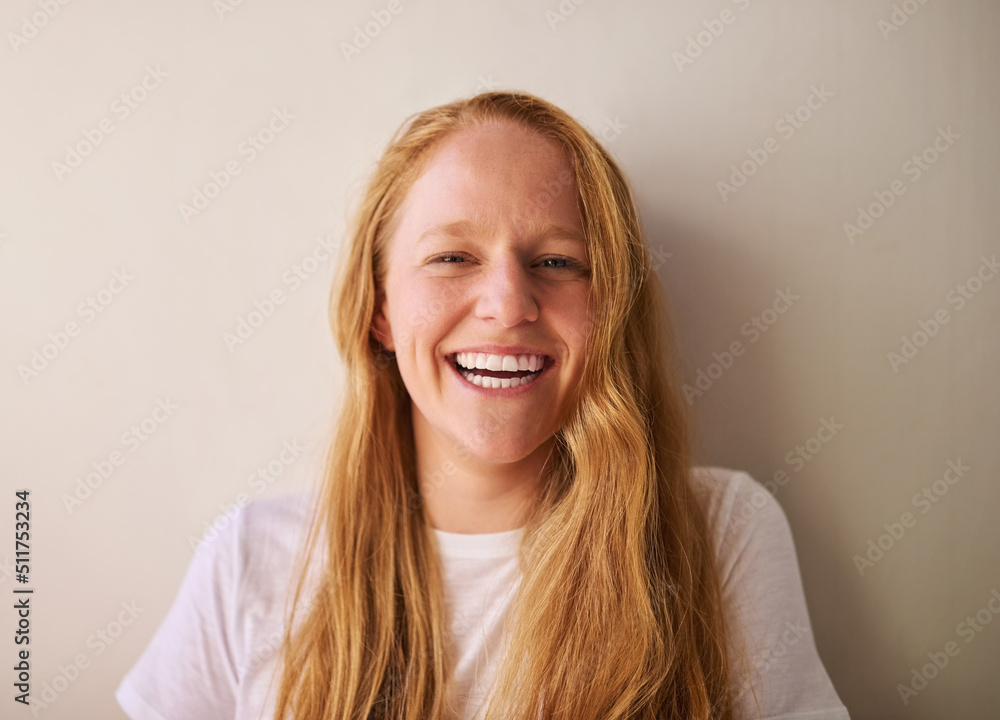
879, 95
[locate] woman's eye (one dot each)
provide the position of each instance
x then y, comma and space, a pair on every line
564, 264
553, 263
448, 259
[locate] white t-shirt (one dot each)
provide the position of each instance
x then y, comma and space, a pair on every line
215, 653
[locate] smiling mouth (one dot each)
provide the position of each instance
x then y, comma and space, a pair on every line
498, 379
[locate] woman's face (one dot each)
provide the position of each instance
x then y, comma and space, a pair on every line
488, 259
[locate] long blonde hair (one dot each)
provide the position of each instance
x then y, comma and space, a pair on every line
619, 613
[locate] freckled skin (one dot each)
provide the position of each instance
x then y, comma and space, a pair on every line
479, 457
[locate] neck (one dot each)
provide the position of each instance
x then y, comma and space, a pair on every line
463, 493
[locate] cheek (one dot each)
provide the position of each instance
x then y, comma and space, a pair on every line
577, 322
423, 314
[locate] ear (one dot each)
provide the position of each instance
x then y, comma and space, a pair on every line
380, 321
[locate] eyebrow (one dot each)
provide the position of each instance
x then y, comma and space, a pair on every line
467, 228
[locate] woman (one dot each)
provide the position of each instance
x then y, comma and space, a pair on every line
510, 525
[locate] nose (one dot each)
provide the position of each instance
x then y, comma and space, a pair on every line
506, 293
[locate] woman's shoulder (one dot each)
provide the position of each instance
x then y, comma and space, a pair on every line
256, 551
275, 514
733, 499
719, 484
763, 592
219, 639
269, 532
260, 522
748, 525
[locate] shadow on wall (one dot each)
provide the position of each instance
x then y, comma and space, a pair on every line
714, 286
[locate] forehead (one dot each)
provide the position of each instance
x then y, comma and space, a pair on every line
504, 147
499, 176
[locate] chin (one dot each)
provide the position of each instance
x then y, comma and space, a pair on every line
500, 449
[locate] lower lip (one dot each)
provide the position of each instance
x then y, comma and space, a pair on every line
501, 392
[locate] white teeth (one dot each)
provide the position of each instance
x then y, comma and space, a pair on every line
470, 362
496, 383
509, 363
